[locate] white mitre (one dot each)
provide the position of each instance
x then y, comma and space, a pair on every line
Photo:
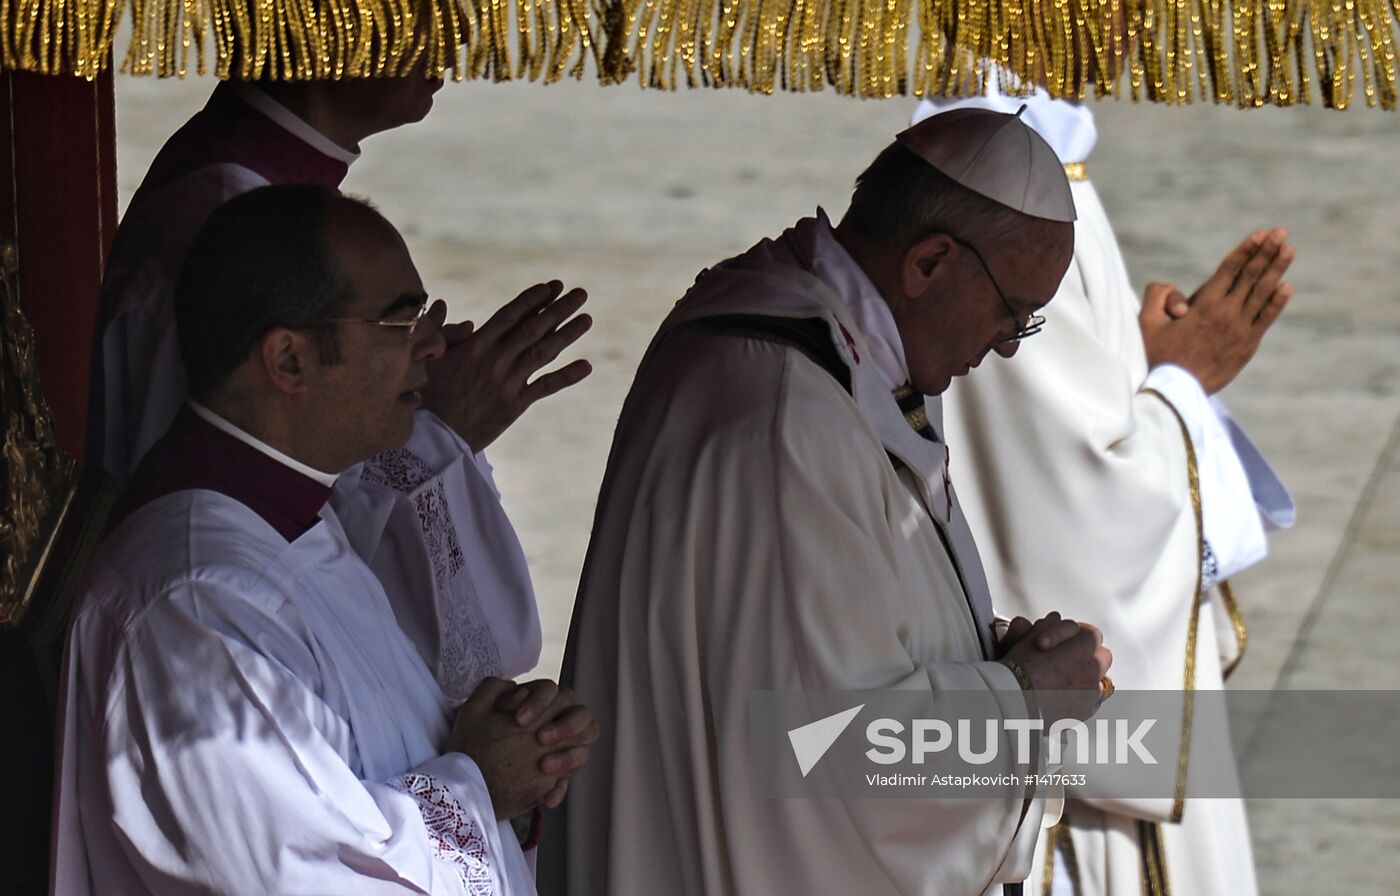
995, 155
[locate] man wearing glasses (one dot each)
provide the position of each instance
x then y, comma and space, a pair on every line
778, 514
426, 516
242, 714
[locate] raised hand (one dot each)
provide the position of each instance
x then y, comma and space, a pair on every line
1215, 332
481, 384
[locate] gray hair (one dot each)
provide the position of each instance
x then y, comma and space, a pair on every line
901, 198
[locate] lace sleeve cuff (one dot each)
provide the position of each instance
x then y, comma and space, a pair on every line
454, 835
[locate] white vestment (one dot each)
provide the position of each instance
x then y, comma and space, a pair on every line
1075, 465
427, 518
754, 534
242, 715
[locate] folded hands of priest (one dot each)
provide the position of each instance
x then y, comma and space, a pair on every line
527, 739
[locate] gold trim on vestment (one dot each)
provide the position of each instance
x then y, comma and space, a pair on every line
1047, 875
1055, 838
1076, 171
1189, 682
1153, 866
1232, 607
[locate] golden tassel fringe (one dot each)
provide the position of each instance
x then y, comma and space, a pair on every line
297, 40
1244, 52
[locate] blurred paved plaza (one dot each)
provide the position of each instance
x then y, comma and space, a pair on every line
630, 193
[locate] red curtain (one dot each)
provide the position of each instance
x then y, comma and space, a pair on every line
58, 209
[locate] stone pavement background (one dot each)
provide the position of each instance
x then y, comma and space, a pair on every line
630, 193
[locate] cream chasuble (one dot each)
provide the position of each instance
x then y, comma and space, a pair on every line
753, 533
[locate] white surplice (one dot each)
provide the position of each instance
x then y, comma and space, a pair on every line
427, 518
243, 715
1072, 459
753, 534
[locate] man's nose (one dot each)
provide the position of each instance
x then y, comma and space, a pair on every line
428, 341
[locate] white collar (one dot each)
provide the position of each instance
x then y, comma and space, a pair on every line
224, 426
289, 122
867, 308
1067, 126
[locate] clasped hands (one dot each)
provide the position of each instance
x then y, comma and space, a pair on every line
1063, 658
481, 384
1216, 331
527, 739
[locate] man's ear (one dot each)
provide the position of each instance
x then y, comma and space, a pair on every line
922, 263
284, 356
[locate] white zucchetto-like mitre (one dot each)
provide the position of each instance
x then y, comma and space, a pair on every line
997, 156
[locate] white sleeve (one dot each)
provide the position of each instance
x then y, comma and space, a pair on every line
1239, 491
225, 770
487, 471
1271, 496
447, 793
428, 520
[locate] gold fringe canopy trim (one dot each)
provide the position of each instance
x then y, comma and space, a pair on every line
1152, 869
1245, 52
297, 40
1059, 839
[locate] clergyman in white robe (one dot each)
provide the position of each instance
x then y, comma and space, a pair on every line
241, 714
1075, 464
427, 517
753, 534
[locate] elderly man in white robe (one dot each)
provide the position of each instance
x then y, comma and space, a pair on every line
426, 516
241, 711
1113, 409
778, 515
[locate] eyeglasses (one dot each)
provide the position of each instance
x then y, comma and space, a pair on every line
408, 325
1034, 323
